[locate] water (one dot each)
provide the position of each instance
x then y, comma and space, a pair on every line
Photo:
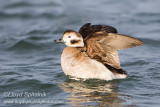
30, 60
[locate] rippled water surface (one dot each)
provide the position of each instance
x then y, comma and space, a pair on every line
30, 60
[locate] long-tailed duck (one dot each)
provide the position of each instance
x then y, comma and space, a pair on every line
92, 53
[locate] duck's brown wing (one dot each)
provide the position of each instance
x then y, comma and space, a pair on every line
104, 47
88, 29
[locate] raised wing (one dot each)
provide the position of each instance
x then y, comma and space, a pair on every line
104, 47
88, 29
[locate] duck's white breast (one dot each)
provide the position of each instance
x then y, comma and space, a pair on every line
77, 64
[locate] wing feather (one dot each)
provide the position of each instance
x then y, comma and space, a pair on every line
104, 47
118, 41
88, 29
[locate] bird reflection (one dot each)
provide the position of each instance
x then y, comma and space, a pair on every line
96, 93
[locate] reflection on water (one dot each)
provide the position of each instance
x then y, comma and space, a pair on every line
92, 93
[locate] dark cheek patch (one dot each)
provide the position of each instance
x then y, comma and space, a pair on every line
75, 41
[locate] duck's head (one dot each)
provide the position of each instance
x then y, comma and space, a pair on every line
71, 39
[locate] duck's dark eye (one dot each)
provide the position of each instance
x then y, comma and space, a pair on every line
69, 36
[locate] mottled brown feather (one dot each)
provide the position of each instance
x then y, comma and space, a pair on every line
104, 47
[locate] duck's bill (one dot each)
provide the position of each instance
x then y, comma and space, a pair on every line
59, 41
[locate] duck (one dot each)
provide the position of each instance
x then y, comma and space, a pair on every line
92, 52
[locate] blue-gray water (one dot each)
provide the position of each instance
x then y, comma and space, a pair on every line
30, 60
